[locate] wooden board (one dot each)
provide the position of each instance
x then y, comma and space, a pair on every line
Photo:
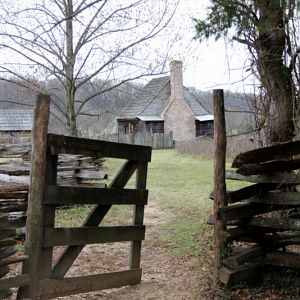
241, 273
278, 178
92, 235
72, 145
3, 271
13, 195
245, 255
8, 251
138, 216
7, 232
283, 259
16, 222
13, 188
249, 191
17, 281
13, 208
231, 234
252, 235
51, 288
269, 167
13, 260
211, 221
240, 211
77, 195
278, 223
279, 151
278, 198
7, 242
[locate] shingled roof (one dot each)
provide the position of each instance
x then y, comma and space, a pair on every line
150, 100
154, 97
16, 120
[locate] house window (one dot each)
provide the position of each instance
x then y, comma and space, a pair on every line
127, 127
205, 128
155, 126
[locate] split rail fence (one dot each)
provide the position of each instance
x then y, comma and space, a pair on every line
259, 224
42, 278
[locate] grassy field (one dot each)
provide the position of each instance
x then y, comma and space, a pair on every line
180, 186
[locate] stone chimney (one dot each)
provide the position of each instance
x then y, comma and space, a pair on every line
176, 80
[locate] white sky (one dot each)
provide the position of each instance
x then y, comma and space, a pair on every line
210, 64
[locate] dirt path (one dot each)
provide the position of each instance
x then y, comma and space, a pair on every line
164, 275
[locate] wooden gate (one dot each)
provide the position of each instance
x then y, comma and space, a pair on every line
44, 279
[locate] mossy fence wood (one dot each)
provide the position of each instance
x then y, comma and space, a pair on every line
256, 225
42, 278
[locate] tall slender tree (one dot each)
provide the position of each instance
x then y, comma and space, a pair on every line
76, 42
267, 28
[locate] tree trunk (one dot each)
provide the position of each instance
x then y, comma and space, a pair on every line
276, 77
70, 61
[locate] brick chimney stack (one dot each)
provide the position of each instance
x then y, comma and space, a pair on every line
176, 80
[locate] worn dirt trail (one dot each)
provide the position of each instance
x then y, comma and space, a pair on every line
165, 276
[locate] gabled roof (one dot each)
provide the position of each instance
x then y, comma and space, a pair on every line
154, 97
195, 104
16, 120
150, 100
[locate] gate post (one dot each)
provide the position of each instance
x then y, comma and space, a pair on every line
219, 177
35, 212
138, 216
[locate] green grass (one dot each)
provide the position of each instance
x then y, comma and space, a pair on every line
180, 186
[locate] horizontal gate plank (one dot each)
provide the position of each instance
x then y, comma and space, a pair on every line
72, 145
17, 281
78, 195
51, 288
92, 235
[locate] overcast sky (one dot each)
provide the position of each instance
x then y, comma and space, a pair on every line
207, 65
210, 64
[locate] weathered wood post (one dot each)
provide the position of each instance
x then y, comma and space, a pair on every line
219, 177
35, 212
138, 216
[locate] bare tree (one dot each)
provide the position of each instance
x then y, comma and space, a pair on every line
77, 41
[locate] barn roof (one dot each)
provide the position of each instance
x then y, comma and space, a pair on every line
154, 97
16, 120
